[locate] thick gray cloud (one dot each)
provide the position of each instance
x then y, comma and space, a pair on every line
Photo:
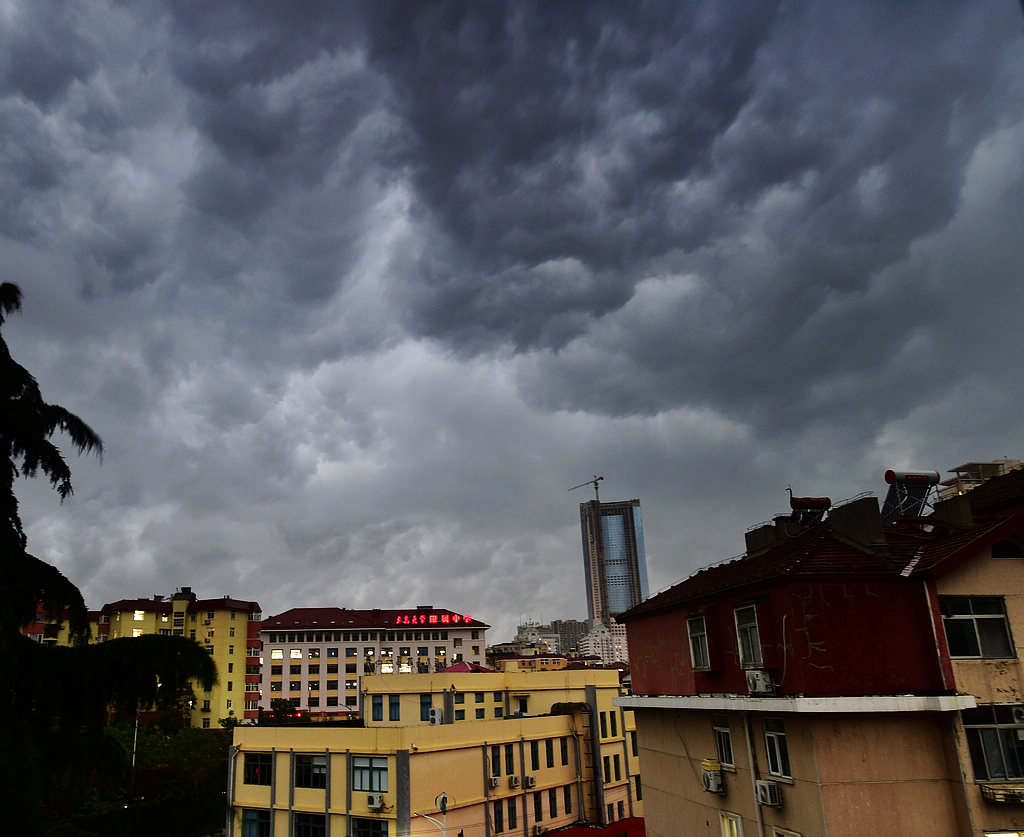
354, 292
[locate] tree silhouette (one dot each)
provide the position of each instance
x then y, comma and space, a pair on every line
56, 700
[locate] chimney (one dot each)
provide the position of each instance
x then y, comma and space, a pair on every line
859, 523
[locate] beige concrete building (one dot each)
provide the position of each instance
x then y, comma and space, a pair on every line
511, 753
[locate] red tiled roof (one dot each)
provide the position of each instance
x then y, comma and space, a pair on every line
819, 552
465, 667
630, 827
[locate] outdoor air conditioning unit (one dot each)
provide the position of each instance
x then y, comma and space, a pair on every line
494, 781
513, 781
759, 682
436, 717
531, 781
375, 801
712, 781
768, 793
1018, 714
538, 829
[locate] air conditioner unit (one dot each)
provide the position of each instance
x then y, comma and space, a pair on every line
375, 801
759, 682
436, 717
1018, 714
531, 781
513, 781
712, 781
538, 829
768, 793
494, 781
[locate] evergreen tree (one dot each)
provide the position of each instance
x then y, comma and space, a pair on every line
57, 700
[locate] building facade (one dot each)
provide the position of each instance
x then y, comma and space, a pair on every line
317, 657
509, 753
615, 564
843, 677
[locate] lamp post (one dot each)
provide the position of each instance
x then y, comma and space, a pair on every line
441, 801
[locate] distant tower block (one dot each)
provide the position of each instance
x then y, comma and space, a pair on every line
614, 561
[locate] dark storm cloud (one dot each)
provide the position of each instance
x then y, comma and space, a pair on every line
354, 292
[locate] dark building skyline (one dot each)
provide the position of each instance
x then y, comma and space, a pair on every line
614, 559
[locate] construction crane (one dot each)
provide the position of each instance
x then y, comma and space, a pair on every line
593, 482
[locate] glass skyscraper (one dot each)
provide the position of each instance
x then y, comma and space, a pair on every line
613, 555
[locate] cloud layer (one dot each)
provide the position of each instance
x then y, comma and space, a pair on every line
354, 293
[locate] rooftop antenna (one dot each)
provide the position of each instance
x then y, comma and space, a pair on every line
594, 482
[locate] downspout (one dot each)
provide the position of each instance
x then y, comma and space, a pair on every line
753, 772
229, 822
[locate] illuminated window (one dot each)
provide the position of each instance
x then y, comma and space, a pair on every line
732, 825
140, 615
277, 653
137, 632
295, 653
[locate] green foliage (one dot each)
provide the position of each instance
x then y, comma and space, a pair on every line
56, 758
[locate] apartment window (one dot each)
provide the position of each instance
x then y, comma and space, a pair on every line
310, 771
994, 740
549, 752
611, 812
369, 774
607, 775
460, 697
632, 744
256, 769
618, 767
425, 706
460, 714
621, 808
510, 764
775, 745
638, 792
478, 697
723, 739
976, 626
613, 719
350, 685
538, 807
294, 685
310, 825
698, 642
139, 615
511, 810
732, 825
295, 669
604, 724
295, 653
498, 712
495, 761
277, 653
206, 723
498, 814
369, 828
535, 755
564, 744
332, 685
497, 695
481, 713
378, 707
567, 798
746, 633
394, 708
553, 802
255, 823
332, 652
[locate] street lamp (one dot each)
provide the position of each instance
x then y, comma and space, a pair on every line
441, 801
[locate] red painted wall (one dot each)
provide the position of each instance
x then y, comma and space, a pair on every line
817, 639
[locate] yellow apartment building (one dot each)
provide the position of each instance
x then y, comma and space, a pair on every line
482, 753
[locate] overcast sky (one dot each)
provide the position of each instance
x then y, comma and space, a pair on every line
355, 292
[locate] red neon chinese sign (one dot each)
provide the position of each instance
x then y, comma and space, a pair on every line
432, 619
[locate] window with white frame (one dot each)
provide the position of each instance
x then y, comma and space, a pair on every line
995, 739
976, 626
747, 636
369, 774
723, 739
732, 825
775, 745
698, 642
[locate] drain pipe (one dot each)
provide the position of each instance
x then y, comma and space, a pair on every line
229, 825
749, 735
